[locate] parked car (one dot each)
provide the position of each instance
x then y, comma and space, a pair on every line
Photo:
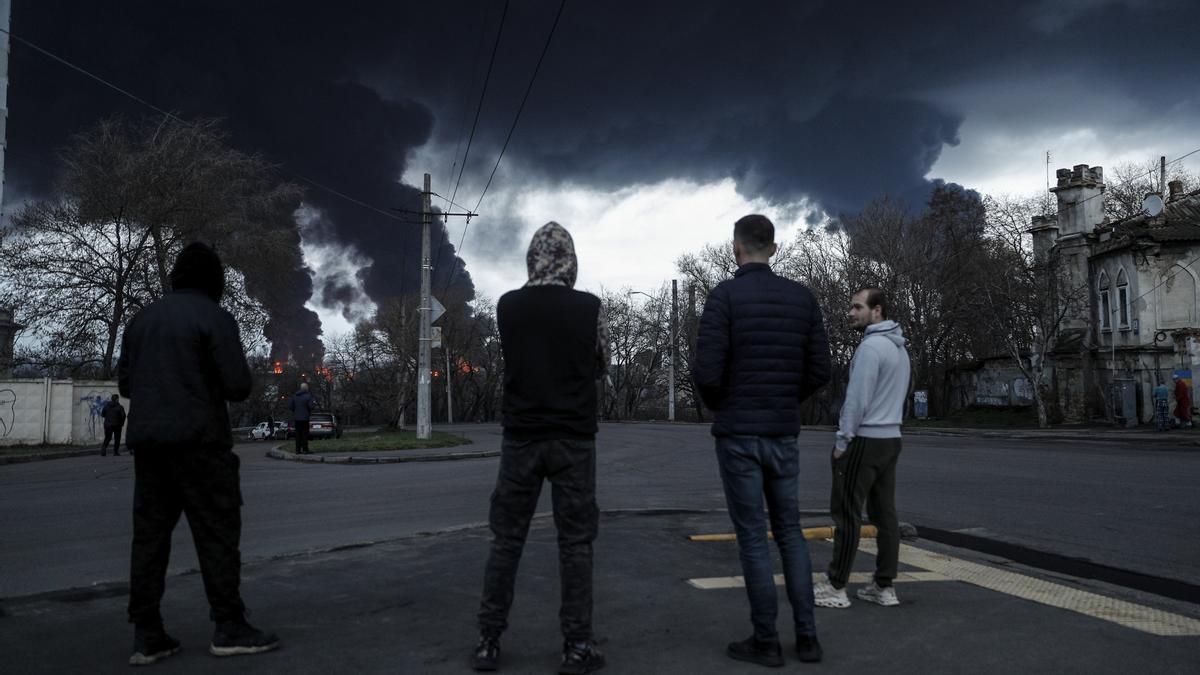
261, 432
323, 425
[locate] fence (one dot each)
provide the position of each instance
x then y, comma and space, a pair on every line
55, 412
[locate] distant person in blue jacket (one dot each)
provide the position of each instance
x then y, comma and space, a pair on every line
114, 420
1162, 407
302, 405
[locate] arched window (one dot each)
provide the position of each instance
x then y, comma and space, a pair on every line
1175, 298
1104, 304
1123, 299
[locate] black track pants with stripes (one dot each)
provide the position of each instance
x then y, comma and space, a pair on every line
866, 472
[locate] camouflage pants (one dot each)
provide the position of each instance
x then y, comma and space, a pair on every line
570, 466
203, 483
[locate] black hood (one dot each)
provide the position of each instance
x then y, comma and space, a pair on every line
199, 268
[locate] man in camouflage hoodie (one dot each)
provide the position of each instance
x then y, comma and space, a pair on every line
555, 346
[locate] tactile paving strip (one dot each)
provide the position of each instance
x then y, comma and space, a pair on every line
1131, 615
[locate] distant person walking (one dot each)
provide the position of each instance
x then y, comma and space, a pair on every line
302, 405
761, 351
181, 360
1162, 407
1183, 402
114, 420
555, 345
866, 451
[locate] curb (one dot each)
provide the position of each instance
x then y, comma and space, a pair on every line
65, 454
276, 453
907, 531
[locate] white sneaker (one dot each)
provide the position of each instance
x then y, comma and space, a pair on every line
825, 595
880, 596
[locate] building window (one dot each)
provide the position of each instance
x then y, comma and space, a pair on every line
1123, 300
1105, 309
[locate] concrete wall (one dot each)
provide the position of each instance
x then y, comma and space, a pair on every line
57, 412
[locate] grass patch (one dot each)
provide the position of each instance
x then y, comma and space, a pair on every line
981, 418
385, 441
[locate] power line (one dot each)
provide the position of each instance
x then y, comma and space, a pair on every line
525, 98
507, 139
482, 94
462, 123
95, 77
176, 118
1149, 172
469, 212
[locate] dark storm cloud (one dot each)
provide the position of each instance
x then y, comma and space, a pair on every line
827, 102
281, 78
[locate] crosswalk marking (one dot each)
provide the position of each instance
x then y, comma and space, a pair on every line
810, 533
713, 583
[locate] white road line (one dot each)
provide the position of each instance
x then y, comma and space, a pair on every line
713, 583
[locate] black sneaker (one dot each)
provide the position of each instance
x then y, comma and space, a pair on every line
808, 648
487, 654
151, 646
768, 654
580, 657
232, 638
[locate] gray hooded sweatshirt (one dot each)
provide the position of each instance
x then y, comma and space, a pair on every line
879, 375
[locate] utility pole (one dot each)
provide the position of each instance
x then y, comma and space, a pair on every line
425, 337
1046, 207
449, 398
671, 351
6, 24
1162, 176
424, 358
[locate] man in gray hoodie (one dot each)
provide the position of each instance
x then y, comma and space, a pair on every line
865, 453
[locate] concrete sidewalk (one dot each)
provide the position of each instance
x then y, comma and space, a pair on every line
408, 606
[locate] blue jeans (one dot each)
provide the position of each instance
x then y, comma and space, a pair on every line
753, 467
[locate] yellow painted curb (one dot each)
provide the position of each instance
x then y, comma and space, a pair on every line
867, 532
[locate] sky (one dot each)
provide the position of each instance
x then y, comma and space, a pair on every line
649, 129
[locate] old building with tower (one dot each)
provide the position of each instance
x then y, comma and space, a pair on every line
1135, 283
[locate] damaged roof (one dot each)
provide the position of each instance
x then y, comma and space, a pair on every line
1179, 222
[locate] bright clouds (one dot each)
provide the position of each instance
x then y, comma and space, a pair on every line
625, 238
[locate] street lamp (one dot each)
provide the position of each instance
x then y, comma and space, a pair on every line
670, 345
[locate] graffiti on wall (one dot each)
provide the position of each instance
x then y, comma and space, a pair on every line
95, 403
8, 412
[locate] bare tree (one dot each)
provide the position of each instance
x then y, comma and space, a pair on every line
130, 195
1128, 184
1025, 300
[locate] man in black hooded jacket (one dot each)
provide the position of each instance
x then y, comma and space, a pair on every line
555, 344
181, 360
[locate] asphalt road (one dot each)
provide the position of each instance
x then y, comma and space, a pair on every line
66, 523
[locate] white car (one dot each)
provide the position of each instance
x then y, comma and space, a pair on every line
261, 432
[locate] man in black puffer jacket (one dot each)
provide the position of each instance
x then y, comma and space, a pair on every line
761, 351
181, 360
